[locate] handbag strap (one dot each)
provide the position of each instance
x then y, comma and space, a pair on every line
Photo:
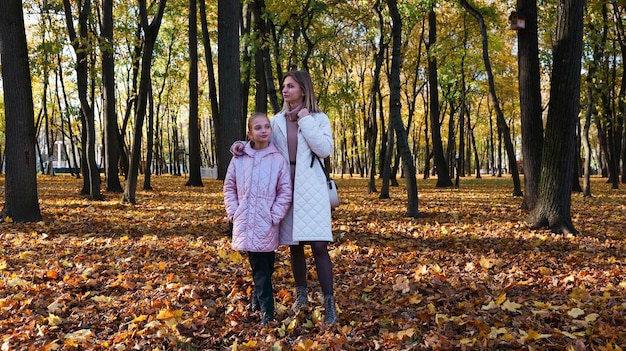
313, 157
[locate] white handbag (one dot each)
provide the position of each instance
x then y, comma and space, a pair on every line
332, 186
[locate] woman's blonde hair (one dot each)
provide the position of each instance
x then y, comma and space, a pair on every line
306, 85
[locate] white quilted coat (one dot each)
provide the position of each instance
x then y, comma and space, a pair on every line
309, 217
257, 195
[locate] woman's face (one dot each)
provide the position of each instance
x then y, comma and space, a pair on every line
292, 93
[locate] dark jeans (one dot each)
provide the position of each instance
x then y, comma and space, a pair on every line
262, 264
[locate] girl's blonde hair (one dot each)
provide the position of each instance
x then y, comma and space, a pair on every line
306, 85
255, 115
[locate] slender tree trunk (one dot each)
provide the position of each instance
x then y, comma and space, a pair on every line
150, 34
70, 132
395, 115
443, 175
585, 135
195, 178
372, 121
215, 112
89, 165
21, 203
555, 188
147, 172
502, 125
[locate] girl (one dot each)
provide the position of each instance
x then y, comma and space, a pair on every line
257, 195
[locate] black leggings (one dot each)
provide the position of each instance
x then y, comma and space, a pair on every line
322, 263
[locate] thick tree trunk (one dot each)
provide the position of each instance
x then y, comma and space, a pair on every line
229, 122
530, 101
557, 167
21, 202
111, 129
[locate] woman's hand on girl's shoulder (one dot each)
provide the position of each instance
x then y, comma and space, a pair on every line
237, 148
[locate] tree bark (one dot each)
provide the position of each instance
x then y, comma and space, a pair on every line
443, 174
395, 115
111, 129
80, 46
150, 34
557, 166
501, 122
229, 123
195, 178
530, 101
21, 202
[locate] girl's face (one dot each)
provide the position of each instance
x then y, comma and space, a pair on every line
260, 131
292, 93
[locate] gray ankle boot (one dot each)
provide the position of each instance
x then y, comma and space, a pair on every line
330, 313
301, 299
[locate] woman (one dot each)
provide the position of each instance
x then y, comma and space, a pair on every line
300, 133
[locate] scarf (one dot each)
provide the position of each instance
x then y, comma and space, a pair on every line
292, 115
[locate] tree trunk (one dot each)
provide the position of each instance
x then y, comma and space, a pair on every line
215, 112
530, 102
557, 167
372, 124
21, 203
502, 125
80, 45
585, 134
229, 122
111, 129
195, 178
443, 175
150, 34
147, 171
395, 115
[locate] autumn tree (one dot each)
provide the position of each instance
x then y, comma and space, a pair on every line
20, 195
443, 175
111, 129
150, 32
557, 160
80, 42
394, 111
503, 128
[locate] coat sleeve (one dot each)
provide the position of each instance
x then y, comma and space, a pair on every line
284, 192
231, 201
316, 131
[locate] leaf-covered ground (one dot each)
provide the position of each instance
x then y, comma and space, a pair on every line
468, 275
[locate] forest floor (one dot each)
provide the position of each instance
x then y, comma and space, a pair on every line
469, 274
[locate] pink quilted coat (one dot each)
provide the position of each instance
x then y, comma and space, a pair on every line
257, 195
